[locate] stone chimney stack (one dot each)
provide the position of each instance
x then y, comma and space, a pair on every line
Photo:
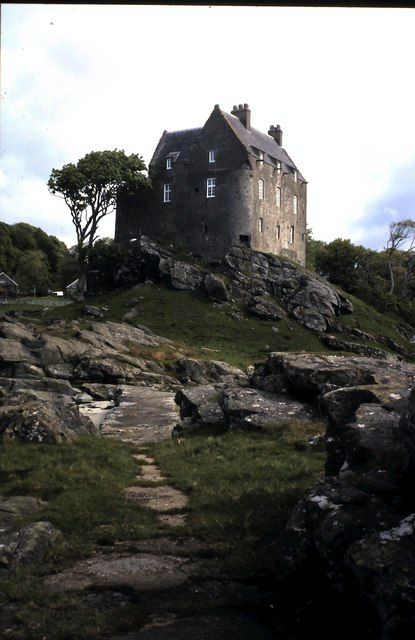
243, 112
276, 133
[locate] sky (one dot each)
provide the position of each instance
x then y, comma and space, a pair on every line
339, 81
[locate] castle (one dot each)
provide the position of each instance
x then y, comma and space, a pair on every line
222, 184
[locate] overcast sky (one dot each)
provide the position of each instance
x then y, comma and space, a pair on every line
339, 81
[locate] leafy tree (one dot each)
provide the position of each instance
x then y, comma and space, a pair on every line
313, 248
90, 189
400, 234
32, 272
107, 259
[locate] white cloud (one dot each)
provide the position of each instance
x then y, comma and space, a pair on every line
78, 78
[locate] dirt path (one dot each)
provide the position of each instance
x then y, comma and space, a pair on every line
147, 415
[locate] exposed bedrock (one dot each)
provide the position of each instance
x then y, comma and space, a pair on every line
270, 286
350, 542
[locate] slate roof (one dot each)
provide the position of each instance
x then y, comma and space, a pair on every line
176, 141
254, 138
179, 143
5, 279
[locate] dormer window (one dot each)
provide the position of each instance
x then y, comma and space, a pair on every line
278, 167
261, 157
212, 155
295, 176
169, 163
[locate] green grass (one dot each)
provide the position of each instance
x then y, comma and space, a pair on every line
368, 319
200, 328
241, 486
83, 484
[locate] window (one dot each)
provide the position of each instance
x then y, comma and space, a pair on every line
261, 189
167, 193
295, 205
278, 232
261, 225
292, 232
210, 187
261, 157
169, 163
295, 176
212, 155
278, 167
278, 197
303, 237
245, 240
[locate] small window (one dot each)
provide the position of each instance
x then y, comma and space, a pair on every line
278, 232
303, 237
261, 157
167, 193
245, 240
295, 205
169, 163
212, 155
211, 187
295, 176
261, 189
292, 234
278, 167
278, 196
261, 225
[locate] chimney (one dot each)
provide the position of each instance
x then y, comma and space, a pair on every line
276, 133
243, 113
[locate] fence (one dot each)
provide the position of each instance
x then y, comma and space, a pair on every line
49, 303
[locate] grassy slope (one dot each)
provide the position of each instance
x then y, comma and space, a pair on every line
206, 330
242, 488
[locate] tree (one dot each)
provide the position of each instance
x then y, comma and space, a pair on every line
90, 189
32, 272
400, 234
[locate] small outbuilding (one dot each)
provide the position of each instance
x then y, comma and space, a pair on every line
8, 287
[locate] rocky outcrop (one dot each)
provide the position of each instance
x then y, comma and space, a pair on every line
216, 288
191, 371
309, 298
351, 540
40, 375
268, 285
264, 308
28, 544
37, 421
354, 347
98, 354
223, 407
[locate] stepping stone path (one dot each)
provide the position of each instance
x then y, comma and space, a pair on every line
143, 415
147, 415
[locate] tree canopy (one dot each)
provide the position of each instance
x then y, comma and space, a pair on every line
366, 273
31, 257
90, 187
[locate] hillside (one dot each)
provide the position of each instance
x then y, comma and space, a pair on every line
31, 257
111, 528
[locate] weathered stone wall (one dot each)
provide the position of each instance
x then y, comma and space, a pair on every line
210, 226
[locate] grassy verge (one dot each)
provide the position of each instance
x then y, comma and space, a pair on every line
200, 328
241, 486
